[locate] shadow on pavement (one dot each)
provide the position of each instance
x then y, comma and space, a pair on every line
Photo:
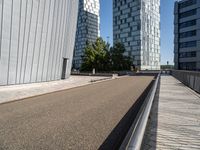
116, 137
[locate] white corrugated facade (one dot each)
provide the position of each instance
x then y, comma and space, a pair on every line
35, 37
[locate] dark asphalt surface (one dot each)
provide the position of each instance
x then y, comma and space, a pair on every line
79, 119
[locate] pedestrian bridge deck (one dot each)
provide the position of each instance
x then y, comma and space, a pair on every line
175, 118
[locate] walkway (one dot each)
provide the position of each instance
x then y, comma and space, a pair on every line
82, 118
16, 92
175, 118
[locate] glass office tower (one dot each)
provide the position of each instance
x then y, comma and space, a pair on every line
187, 35
87, 28
136, 24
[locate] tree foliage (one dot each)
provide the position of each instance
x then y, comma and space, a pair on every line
96, 56
100, 56
118, 60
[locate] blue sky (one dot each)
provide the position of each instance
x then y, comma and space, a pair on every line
167, 7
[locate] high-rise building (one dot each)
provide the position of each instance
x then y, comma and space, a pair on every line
36, 40
88, 28
187, 35
136, 24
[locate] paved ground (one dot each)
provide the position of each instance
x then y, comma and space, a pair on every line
79, 118
175, 118
15, 92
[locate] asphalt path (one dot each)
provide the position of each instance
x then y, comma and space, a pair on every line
79, 119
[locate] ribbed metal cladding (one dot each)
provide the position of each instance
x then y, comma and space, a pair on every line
35, 37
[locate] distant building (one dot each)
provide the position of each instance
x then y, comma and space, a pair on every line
187, 35
36, 40
136, 24
167, 67
88, 28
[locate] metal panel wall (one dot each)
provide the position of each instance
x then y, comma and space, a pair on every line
35, 36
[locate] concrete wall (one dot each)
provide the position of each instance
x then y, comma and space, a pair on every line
189, 78
35, 36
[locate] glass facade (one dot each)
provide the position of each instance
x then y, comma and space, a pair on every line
188, 44
187, 35
187, 54
187, 3
88, 28
188, 13
187, 24
188, 66
137, 25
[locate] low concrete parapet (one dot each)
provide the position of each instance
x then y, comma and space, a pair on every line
91, 74
189, 78
108, 74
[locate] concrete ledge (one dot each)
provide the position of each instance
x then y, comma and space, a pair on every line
18, 92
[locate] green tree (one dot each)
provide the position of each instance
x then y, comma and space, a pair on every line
96, 56
118, 60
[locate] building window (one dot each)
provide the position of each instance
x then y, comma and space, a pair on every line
188, 34
187, 54
188, 44
188, 66
187, 3
188, 13
187, 24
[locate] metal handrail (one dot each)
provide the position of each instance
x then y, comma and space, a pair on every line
139, 126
